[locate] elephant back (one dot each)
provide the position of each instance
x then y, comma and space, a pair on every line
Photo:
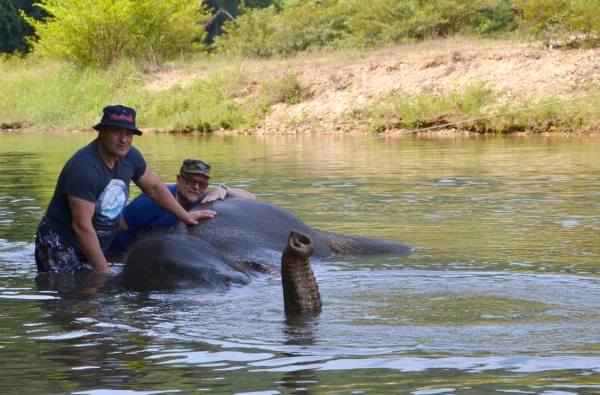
251, 229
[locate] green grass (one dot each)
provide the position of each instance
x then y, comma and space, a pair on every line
226, 92
478, 108
57, 95
222, 95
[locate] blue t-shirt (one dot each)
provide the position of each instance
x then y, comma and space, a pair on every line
143, 215
86, 176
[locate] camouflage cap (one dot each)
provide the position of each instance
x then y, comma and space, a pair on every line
196, 167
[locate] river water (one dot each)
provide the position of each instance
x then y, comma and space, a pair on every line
500, 296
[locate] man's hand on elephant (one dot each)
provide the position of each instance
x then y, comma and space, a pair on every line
193, 217
216, 194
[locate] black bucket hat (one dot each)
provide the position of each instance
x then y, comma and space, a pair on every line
121, 116
195, 166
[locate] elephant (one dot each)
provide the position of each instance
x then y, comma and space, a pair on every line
166, 262
255, 230
245, 234
173, 261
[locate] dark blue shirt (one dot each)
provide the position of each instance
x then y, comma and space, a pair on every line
86, 176
143, 216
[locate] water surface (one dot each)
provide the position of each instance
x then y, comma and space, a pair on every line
500, 296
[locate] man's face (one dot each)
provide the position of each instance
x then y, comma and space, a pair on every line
115, 140
191, 187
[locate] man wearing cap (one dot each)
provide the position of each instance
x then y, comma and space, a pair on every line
143, 215
92, 189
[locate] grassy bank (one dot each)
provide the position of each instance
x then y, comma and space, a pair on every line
481, 109
212, 93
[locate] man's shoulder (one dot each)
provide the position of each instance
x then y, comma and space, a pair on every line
133, 161
134, 153
89, 154
84, 163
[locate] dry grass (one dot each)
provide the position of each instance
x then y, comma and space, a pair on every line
346, 91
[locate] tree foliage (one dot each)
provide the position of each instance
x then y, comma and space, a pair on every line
559, 21
13, 28
101, 32
303, 25
497, 16
233, 8
266, 32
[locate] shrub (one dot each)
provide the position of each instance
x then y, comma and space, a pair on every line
307, 25
100, 32
267, 32
500, 16
391, 21
227, 99
558, 21
248, 35
428, 108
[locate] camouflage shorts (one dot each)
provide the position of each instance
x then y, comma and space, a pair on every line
54, 255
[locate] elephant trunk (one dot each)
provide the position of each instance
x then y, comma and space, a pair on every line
300, 289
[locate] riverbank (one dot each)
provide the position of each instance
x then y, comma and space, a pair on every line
456, 85
519, 76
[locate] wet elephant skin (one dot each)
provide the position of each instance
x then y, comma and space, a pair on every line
251, 229
300, 289
173, 261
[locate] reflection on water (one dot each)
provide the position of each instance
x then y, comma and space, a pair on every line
501, 294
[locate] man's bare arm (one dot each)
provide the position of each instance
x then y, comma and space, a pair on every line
221, 193
82, 212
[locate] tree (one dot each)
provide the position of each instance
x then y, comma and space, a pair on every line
223, 9
561, 21
101, 32
13, 28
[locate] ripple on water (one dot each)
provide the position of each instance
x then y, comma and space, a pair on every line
307, 358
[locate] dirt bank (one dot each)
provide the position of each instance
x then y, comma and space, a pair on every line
338, 86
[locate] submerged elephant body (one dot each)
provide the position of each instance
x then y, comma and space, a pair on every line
174, 261
250, 229
245, 230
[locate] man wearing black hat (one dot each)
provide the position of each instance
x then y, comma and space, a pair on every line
92, 189
143, 216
